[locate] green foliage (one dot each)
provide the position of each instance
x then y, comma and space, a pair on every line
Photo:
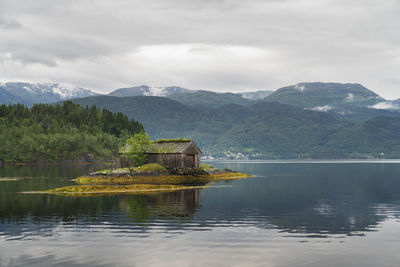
152, 167
136, 147
62, 132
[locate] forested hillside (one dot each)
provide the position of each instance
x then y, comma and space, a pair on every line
66, 132
208, 99
265, 129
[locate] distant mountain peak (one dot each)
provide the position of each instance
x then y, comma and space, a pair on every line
30, 93
255, 95
314, 95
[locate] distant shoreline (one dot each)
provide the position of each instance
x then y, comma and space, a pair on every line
315, 161
251, 161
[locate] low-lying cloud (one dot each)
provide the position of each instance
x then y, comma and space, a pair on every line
325, 108
387, 105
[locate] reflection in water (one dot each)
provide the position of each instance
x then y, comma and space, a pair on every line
311, 202
41, 212
173, 205
51, 170
313, 199
321, 198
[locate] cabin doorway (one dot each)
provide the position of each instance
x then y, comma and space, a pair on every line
189, 161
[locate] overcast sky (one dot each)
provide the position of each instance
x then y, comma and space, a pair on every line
219, 45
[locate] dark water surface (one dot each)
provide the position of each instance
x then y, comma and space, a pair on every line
292, 214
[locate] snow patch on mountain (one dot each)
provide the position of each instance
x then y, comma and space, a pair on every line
300, 87
157, 91
349, 97
68, 91
31, 93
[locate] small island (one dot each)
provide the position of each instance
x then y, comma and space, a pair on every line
148, 178
149, 167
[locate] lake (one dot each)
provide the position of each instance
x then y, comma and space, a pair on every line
293, 213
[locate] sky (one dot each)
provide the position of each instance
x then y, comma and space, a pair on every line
218, 45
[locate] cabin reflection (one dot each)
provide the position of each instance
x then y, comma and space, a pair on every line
172, 205
188, 199
45, 211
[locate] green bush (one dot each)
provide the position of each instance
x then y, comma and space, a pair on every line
136, 147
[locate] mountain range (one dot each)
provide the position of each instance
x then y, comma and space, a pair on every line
306, 120
188, 96
315, 96
31, 93
263, 129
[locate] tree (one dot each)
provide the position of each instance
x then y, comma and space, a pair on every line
62, 132
136, 148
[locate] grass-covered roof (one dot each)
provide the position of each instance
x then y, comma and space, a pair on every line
172, 140
169, 145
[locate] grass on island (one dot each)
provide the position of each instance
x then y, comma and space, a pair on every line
162, 179
152, 168
110, 189
148, 178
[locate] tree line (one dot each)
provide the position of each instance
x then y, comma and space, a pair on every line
61, 132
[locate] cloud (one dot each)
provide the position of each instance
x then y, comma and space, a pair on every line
29, 46
325, 108
213, 44
8, 23
387, 105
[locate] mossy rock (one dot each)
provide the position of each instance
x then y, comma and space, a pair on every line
151, 168
208, 168
119, 171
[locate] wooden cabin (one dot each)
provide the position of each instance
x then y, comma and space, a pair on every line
175, 153
171, 153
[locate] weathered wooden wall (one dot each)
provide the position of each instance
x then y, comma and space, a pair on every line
168, 160
175, 160
192, 151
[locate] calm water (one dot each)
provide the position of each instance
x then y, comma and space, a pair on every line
292, 214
